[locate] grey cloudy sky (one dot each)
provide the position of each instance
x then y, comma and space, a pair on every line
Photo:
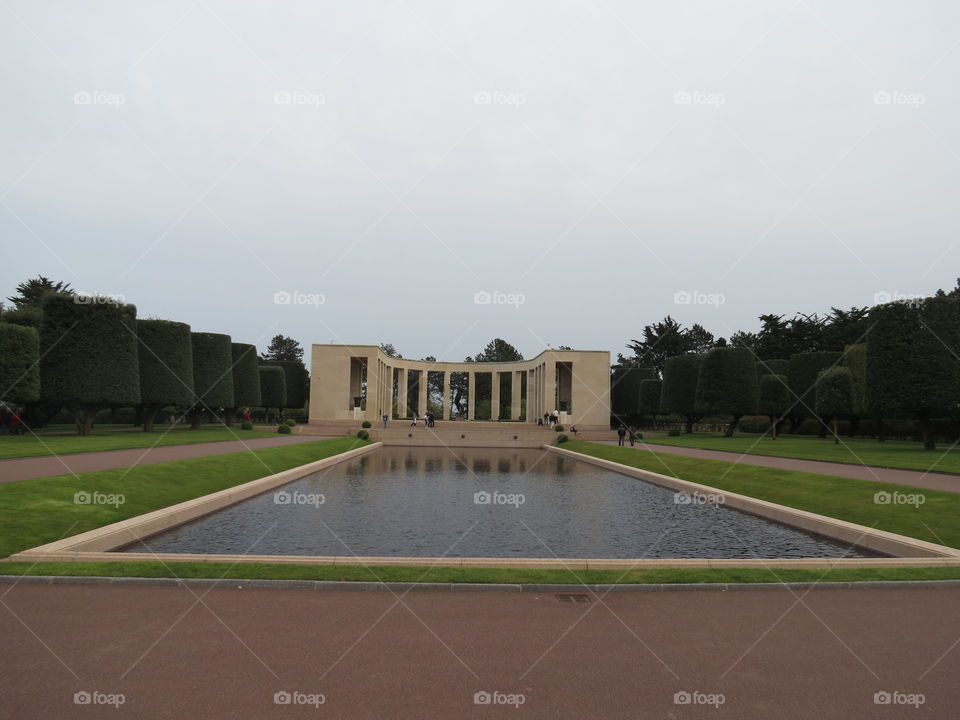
604, 161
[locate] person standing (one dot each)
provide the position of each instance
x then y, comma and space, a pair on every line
621, 433
633, 435
384, 420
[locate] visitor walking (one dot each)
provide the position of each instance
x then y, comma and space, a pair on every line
621, 433
633, 435
555, 418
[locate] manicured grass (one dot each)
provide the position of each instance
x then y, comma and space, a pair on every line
937, 520
27, 445
266, 571
857, 451
38, 511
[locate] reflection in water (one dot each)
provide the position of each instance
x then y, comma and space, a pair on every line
465, 502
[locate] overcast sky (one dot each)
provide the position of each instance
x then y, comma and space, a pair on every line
357, 172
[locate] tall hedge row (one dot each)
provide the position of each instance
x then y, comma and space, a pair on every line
912, 366
88, 355
805, 368
678, 394
774, 399
650, 396
296, 379
625, 389
166, 367
212, 373
273, 386
19, 363
246, 378
727, 384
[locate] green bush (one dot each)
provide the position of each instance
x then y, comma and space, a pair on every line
296, 378
273, 386
727, 384
562, 439
365, 423
805, 368
625, 389
650, 391
558, 427
283, 429
246, 378
246, 425
19, 357
673, 432
290, 422
88, 355
363, 434
166, 367
679, 390
212, 374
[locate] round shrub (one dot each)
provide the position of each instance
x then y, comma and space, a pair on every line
19, 363
290, 422
273, 387
558, 427
246, 378
283, 429
674, 432
246, 425
363, 434
562, 439
365, 424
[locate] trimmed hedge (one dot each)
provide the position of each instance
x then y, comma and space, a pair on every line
805, 368
727, 384
650, 396
273, 386
283, 429
773, 367
912, 368
855, 358
165, 357
246, 377
625, 389
88, 355
678, 394
363, 434
774, 397
296, 379
19, 363
212, 376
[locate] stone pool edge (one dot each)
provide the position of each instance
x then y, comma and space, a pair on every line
96, 545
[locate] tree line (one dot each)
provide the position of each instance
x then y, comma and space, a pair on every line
63, 351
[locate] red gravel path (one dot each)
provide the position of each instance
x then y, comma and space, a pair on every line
32, 467
426, 655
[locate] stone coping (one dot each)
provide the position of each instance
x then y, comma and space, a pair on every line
899, 546
95, 545
241, 584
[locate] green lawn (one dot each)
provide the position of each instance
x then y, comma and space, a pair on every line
265, 571
28, 445
857, 451
937, 520
38, 511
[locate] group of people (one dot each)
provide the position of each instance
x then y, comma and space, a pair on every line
428, 420
624, 432
550, 419
11, 422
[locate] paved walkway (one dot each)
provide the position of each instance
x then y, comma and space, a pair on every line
913, 478
33, 467
175, 652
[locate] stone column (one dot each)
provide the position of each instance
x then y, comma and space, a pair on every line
550, 386
471, 391
402, 394
423, 393
531, 412
494, 396
515, 385
446, 396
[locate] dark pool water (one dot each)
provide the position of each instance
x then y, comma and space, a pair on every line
425, 502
